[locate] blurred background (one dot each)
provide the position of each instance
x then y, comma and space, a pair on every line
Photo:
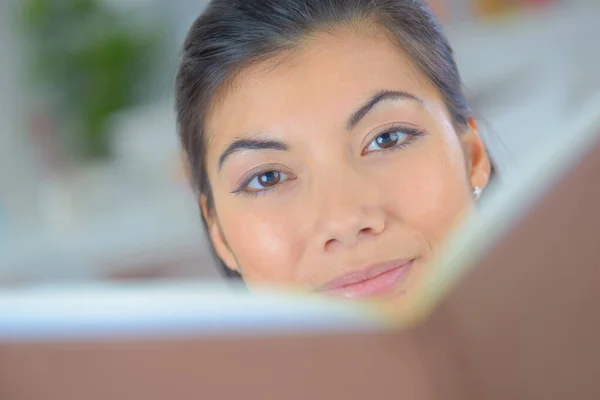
91, 183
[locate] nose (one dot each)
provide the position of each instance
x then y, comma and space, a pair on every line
349, 214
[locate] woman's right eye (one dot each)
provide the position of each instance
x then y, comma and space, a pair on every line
266, 180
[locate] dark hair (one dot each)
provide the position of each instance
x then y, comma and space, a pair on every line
232, 34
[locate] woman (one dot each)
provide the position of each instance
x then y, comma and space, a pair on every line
329, 141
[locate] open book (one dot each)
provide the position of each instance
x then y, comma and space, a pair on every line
512, 312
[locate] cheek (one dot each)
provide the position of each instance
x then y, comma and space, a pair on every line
433, 194
265, 245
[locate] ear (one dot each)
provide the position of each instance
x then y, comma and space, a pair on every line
478, 161
217, 237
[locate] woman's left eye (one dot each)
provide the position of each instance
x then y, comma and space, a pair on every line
387, 140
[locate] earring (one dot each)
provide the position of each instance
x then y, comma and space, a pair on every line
477, 192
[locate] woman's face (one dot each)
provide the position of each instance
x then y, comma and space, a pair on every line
336, 168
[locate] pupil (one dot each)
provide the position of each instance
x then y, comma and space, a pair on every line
387, 139
269, 178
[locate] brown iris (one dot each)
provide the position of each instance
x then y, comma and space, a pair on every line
270, 178
387, 140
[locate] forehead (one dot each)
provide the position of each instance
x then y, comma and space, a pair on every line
320, 81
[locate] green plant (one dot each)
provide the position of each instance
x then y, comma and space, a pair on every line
90, 60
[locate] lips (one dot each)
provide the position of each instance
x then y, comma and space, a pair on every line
372, 281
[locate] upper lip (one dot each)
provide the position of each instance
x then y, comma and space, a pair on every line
364, 274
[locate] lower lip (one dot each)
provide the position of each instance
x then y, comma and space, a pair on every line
378, 285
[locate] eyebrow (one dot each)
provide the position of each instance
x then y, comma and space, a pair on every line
251, 144
384, 95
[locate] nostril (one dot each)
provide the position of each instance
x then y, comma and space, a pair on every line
331, 244
365, 231
336, 242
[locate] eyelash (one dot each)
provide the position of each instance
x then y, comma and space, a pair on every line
255, 193
412, 132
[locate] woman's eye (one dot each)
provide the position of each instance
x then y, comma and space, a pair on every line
387, 140
266, 180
